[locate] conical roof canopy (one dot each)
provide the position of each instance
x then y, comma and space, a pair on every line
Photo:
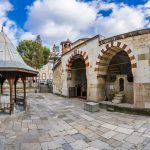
10, 59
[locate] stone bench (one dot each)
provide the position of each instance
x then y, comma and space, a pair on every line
91, 106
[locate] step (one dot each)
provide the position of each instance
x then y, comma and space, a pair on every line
115, 101
119, 95
119, 98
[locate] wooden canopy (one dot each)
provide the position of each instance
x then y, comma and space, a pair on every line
12, 67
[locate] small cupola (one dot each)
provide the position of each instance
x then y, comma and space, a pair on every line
66, 46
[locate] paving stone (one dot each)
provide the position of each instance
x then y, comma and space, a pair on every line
59, 140
2, 144
91, 148
87, 117
120, 136
124, 130
78, 136
116, 144
80, 127
57, 122
127, 145
69, 139
85, 131
30, 138
100, 145
32, 126
92, 128
72, 131
94, 123
147, 147
109, 126
108, 141
79, 144
120, 148
67, 147
135, 139
68, 120
146, 135
103, 129
50, 145
33, 146
45, 138
142, 129
109, 134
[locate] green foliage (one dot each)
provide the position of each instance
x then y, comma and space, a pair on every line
33, 53
46, 52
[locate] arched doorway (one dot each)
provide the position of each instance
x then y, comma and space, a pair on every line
119, 78
115, 74
78, 80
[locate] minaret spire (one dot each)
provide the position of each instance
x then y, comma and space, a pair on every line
2, 28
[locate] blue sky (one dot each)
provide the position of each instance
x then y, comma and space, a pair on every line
61, 19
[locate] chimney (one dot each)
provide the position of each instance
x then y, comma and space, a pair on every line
66, 46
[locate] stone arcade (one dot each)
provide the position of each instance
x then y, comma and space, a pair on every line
116, 69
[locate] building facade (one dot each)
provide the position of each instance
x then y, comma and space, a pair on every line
46, 72
99, 68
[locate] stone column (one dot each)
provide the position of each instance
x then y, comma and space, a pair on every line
96, 89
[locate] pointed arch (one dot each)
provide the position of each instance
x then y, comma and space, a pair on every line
77, 54
107, 53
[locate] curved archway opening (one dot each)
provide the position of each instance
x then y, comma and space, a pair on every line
5, 95
120, 65
114, 64
78, 80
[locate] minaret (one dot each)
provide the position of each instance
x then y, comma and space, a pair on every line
38, 39
66, 46
2, 28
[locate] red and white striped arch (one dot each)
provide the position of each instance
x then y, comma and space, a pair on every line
77, 54
106, 54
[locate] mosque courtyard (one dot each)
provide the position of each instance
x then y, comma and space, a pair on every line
52, 122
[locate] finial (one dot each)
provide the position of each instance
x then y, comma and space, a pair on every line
2, 28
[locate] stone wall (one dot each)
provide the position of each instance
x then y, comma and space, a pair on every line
113, 88
142, 95
137, 47
57, 86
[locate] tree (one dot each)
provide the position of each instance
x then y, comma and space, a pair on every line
33, 53
46, 54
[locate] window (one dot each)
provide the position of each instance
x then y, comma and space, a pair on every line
43, 76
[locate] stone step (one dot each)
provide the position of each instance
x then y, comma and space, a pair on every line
119, 98
119, 95
116, 101
112, 109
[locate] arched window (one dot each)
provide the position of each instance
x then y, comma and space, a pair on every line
121, 84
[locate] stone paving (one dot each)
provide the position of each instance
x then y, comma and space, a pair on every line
56, 123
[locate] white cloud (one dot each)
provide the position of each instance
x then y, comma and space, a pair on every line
27, 36
122, 19
60, 19
10, 27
